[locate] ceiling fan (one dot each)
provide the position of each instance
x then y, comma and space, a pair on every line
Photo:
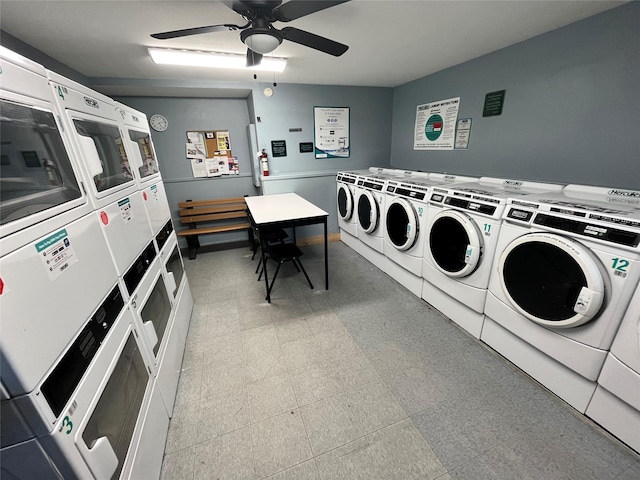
259, 35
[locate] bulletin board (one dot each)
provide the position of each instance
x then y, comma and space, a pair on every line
209, 152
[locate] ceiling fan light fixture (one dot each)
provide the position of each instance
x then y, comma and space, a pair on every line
261, 40
192, 58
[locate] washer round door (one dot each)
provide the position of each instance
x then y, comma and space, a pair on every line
552, 280
345, 202
402, 224
455, 243
368, 212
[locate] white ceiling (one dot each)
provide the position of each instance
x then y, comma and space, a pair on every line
391, 42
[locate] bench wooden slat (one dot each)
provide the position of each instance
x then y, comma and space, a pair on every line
204, 210
206, 203
212, 217
218, 229
211, 214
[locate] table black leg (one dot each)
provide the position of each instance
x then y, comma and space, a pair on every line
326, 257
264, 265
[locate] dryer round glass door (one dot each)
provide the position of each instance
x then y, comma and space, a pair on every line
552, 280
402, 224
345, 202
368, 212
455, 244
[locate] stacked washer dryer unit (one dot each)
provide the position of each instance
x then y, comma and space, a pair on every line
73, 375
566, 268
404, 216
144, 161
462, 227
111, 174
346, 204
616, 402
370, 209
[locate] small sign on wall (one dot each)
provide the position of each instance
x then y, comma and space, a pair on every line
306, 147
493, 102
279, 148
463, 131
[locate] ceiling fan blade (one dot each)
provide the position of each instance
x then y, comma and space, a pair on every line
314, 41
253, 58
195, 31
299, 8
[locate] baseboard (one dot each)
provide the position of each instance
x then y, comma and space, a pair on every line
318, 239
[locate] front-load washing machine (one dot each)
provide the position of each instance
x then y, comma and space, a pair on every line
566, 267
616, 402
462, 227
368, 212
370, 208
346, 202
404, 221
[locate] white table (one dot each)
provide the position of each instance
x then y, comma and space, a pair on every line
286, 210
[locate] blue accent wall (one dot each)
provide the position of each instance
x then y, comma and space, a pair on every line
571, 112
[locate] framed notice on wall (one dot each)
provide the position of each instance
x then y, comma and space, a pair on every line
331, 131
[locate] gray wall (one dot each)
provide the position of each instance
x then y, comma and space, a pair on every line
186, 114
571, 112
291, 106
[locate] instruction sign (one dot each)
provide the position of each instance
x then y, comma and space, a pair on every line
462, 133
56, 253
436, 125
331, 132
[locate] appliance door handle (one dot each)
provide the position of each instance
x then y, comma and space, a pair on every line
135, 156
90, 156
150, 332
102, 459
171, 280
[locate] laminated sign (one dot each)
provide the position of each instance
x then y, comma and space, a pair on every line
435, 126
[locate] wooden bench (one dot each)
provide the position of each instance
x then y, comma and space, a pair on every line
211, 216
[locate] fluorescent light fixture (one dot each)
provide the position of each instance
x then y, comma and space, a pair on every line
191, 58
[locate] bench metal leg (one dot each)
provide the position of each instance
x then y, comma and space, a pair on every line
193, 244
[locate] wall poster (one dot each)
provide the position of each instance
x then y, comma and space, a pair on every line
331, 132
436, 125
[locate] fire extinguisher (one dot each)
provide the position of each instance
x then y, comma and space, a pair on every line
264, 162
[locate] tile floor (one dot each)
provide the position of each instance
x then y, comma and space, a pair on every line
363, 381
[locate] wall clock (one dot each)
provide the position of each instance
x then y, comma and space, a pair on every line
158, 122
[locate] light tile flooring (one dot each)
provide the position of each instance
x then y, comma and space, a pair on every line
363, 381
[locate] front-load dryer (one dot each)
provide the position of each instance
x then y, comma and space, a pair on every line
143, 159
404, 216
616, 402
566, 267
462, 227
137, 139
41, 187
99, 141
